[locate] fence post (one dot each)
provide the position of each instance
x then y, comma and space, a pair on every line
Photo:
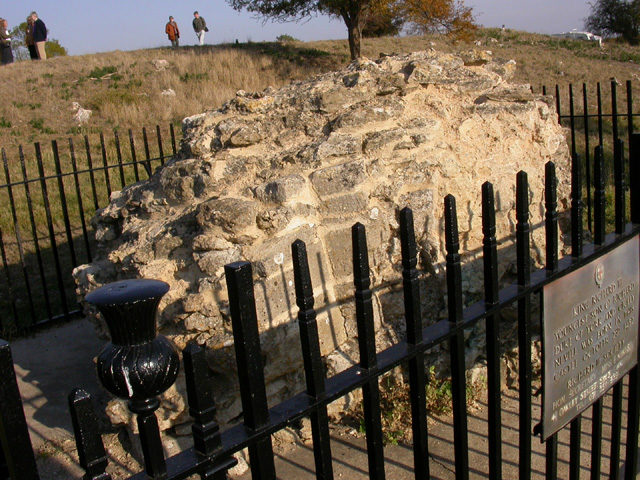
599, 101
634, 177
634, 381
524, 324
134, 159
577, 207
491, 298
572, 120
19, 240
34, 233
202, 408
614, 111
147, 163
52, 234
558, 104
137, 365
629, 115
250, 366
587, 162
116, 138
413, 315
456, 342
14, 433
367, 350
551, 265
91, 453
105, 164
599, 198
312, 358
619, 190
81, 212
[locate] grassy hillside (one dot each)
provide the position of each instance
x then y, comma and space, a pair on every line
124, 89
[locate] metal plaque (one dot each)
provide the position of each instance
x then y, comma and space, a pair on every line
590, 333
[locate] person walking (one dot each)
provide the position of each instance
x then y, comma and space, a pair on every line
6, 55
199, 26
173, 32
39, 35
28, 39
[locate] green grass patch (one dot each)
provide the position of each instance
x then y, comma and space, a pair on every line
38, 124
189, 77
114, 97
100, 72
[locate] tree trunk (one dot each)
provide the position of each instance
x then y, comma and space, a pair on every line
355, 34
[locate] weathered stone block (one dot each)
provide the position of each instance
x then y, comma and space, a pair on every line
421, 203
281, 190
381, 139
379, 111
338, 97
274, 256
339, 145
338, 178
232, 214
212, 262
343, 205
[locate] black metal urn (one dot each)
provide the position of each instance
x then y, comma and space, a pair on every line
137, 364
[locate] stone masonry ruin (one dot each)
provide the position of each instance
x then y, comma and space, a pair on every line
307, 161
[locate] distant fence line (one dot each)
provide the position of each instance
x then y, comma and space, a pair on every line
49, 198
45, 230
596, 116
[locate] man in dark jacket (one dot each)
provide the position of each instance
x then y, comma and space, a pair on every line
172, 32
199, 26
39, 35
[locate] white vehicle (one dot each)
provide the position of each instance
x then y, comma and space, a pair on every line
576, 35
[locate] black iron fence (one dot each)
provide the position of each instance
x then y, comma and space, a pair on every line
596, 115
48, 199
139, 365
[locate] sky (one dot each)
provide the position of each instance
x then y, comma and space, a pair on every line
89, 26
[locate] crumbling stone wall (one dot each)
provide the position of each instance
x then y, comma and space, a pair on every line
307, 161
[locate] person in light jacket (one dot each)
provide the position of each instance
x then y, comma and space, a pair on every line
199, 26
39, 35
173, 32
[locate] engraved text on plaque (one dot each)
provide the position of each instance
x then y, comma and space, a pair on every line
590, 333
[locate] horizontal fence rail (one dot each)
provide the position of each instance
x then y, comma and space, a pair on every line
260, 422
49, 197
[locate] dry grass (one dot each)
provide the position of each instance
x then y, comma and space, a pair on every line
123, 89
38, 96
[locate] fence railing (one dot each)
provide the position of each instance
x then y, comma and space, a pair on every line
142, 381
49, 197
596, 115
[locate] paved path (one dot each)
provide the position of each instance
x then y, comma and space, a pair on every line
48, 366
